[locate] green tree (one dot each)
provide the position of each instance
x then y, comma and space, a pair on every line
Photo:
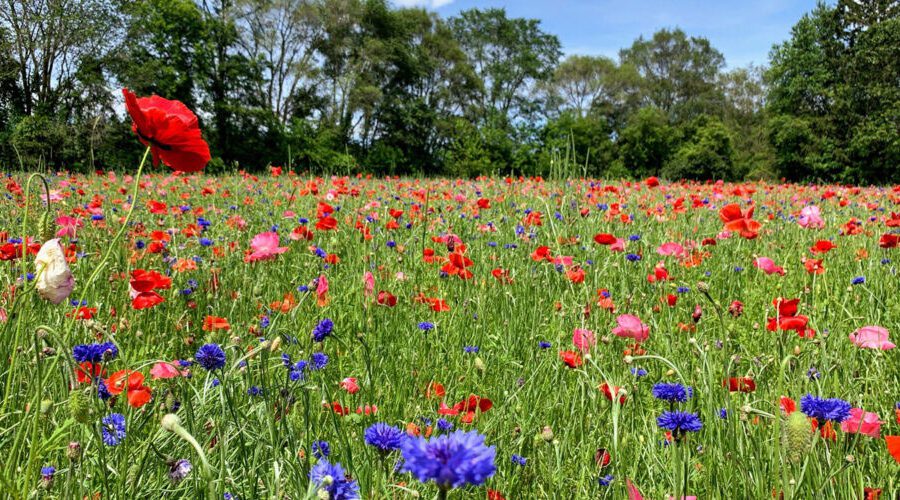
706, 152
678, 73
646, 142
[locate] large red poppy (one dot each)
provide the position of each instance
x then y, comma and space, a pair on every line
170, 129
740, 222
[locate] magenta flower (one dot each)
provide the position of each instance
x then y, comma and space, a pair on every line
862, 422
264, 246
810, 217
584, 340
872, 337
671, 248
768, 266
631, 327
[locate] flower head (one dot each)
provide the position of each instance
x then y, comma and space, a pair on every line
170, 129
384, 437
54, 279
679, 421
322, 330
823, 409
332, 478
211, 357
113, 429
450, 460
673, 393
872, 337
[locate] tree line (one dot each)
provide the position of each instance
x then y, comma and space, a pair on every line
358, 85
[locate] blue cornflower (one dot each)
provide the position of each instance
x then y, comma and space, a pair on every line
102, 391
679, 421
95, 353
470, 349
205, 242
673, 393
319, 360
682, 289
632, 257
446, 426
391, 243
384, 437
425, 326
859, 280
179, 469
340, 488
113, 429
723, 413
264, 322
254, 391
322, 330
634, 237
823, 409
544, 344
813, 373
211, 357
450, 460
47, 473
519, 460
321, 449
638, 372
321, 253
605, 480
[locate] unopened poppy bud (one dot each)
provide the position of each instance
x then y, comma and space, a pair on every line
702, 287
276, 344
479, 365
796, 350
670, 372
171, 422
628, 360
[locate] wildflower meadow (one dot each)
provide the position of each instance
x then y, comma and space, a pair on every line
167, 333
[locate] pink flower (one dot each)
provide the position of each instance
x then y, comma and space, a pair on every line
164, 370
768, 266
584, 339
618, 246
810, 218
671, 248
368, 283
862, 422
631, 327
633, 492
872, 337
264, 246
349, 384
563, 260
67, 226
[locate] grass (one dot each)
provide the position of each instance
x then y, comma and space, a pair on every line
259, 446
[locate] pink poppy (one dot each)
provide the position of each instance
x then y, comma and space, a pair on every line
164, 370
618, 246
349, 384
264, 246
584, 339
872, 337
67, 226
768, 266
671, 248
862, 422
810, 217
368, 284
631, 326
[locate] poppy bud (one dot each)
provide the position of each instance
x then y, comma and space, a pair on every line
796, 434
547, 433
702, 287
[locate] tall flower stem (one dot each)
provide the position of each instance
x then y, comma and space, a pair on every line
112, 244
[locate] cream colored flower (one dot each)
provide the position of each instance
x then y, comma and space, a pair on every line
54, 279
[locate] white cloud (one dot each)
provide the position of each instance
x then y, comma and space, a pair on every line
428, 4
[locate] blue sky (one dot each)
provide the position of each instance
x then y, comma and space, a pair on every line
743, 30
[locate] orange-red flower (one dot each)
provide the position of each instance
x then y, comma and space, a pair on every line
133, 382
170, 129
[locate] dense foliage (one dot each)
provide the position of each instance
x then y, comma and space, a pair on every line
357, 85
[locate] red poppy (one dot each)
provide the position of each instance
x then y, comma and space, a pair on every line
326, 223
386, 299
571, 359
893, 446
501, 275
610, 391
467, 408
651, 182
602, 457
822, 246
814, 266
604, 239
740, 222
871, 493
541, 253
170, 129
212, 323
739, 384
138, 394
457, 263
143, 285
87, 371
889, 241
494, 495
